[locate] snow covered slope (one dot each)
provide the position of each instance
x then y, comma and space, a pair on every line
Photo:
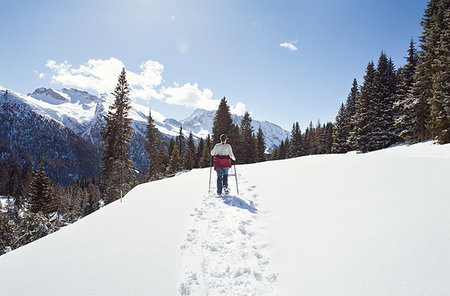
353, 224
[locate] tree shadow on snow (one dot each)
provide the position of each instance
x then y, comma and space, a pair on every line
235, 201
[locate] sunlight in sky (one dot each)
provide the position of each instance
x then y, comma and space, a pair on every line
286, 61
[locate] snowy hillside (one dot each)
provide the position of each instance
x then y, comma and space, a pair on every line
353, 224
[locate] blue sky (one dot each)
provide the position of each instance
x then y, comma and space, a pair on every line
186, 54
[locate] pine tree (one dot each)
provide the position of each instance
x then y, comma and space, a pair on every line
41, 197
281, 152
274, 154
365, 115
180, 141
310, 140
260, 146
189, 155
295, 147
175, 163
420, 95
405, 105
91, 199
339, 135
234, 141
223, 124
328, 137
199, 153
206, 155
75, 207
32, 227
247, 140
320, 138
382, 131
422, 91
440, 99
6, 232
287, 143
350, 112
153, 147
117, 171
171, 147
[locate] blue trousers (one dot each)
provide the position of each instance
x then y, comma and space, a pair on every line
222, 179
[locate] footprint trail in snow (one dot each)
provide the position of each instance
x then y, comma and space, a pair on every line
220, 255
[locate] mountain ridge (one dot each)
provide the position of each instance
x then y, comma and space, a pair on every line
83, 114
199, 122
30, 138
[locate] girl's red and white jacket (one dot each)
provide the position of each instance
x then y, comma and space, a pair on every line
223, 153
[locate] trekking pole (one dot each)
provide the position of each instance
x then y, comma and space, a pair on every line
210, 169
235, 175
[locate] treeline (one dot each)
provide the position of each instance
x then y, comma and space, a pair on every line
315, 140
410, 104
34, 207
183, 154
248, 146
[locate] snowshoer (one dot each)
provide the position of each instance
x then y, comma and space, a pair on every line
223, 153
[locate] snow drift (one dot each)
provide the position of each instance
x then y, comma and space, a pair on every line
353, 224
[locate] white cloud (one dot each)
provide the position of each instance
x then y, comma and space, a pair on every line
172, 18
290, 45
190, 95
239, 109
143, 84
101, 76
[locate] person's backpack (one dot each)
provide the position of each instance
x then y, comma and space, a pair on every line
222, 161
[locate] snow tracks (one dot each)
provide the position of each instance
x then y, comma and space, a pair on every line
220, 255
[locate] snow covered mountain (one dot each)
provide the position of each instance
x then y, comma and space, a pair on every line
82, 112
30, 136
324, 225
201, 121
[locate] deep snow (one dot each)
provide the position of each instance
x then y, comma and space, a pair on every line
353, 224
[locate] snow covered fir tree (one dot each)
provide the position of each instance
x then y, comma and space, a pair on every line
41, 196
155, 151
117, 167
